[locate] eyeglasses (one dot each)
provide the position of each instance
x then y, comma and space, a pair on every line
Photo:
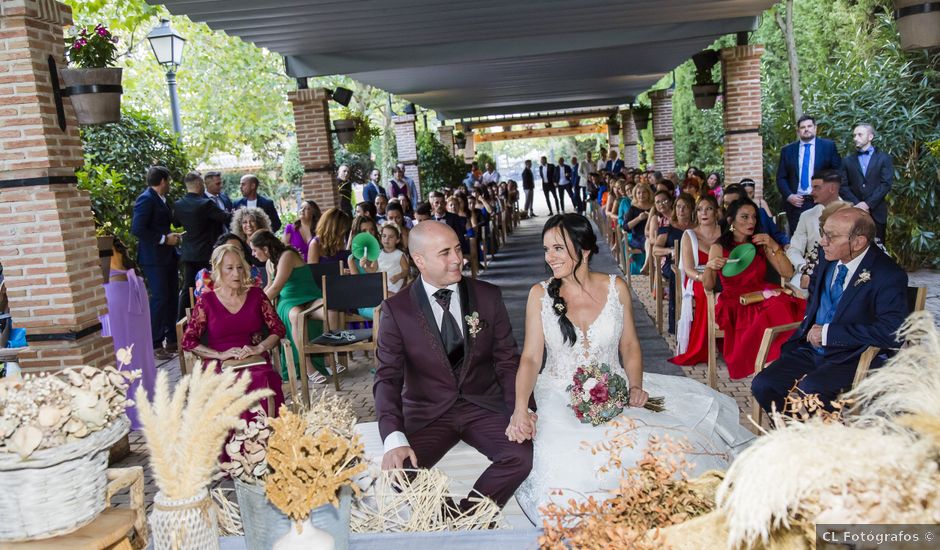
827, 235
662, 202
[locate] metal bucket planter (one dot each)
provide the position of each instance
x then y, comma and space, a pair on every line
641, 118
705, 95
95, 94
264, 524
345, 130
918, 22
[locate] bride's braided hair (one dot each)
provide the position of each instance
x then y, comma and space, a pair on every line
579, 230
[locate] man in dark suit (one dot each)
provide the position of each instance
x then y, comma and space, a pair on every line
157, 256
614, 165
564, 180
202, 220
547, 175
373, 188
798, 162
857, 298
867, 177
528, 185
213, 183
250, 197
457, 223
440, 379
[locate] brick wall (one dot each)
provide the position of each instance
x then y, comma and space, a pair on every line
47, 239
446, 135
406, 140
315, 145
664, 153
740, 69
631, 157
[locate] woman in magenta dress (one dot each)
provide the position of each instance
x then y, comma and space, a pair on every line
744, 325
299, 234
238, 322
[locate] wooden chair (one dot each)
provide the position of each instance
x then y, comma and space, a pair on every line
183, 355
656, 274
300, 393
319, 271
916, 301
342, 293
676, 278
782, 222
714, 333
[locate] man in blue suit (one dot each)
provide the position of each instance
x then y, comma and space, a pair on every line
250, 197
614, 165
858, 298
157, 256
798, 162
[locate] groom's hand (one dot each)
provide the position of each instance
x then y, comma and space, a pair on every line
395, 458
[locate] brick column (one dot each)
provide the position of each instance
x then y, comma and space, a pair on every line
47, 236
631, 157
315, 145
613, 140
664, 152
446, 135
407, 142
469, 152
740, 69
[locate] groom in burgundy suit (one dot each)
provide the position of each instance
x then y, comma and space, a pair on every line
446, 369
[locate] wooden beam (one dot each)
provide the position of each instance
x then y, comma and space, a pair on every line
540, 120
540, 132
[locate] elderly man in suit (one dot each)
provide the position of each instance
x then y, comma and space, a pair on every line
158, 258
440, 379
250, 197
867, 177
858, 298
798, 162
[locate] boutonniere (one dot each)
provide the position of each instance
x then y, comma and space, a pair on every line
863, 277
474, 323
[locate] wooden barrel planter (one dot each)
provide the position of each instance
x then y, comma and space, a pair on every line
705, 95
95, 94
918, 22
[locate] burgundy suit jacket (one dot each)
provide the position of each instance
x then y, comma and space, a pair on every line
414, 383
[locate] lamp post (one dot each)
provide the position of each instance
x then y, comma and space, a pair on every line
167, 47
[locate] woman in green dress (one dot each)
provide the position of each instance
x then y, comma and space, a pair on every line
292, 287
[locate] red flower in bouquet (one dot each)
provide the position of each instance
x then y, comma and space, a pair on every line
599, 393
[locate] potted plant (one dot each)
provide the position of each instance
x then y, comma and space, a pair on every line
460, 140
705, 91
613, 125
641, 116
918, 26
355, 131
93, 84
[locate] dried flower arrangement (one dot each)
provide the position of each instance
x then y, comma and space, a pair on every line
309, 467
654, 493
45, 411
185, 430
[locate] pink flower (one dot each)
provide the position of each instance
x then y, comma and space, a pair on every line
599, 393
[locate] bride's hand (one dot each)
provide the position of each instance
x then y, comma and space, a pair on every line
638, 397
521, 427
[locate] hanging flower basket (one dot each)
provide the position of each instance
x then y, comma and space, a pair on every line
345, 130
918, 23
641, 117
705, 95
460, 140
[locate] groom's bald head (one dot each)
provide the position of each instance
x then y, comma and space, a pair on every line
436, 252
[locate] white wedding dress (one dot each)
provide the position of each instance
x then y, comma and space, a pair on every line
563, 468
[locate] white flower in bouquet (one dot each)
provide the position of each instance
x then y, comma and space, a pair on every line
588, 386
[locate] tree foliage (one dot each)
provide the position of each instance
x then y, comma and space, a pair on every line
437, 166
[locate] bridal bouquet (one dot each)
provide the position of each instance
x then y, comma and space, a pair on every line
599, 395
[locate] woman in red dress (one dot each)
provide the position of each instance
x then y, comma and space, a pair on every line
238, 322
692, 329
744, 325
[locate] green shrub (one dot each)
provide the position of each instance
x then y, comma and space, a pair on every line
437, 166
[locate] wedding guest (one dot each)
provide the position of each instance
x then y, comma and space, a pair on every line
744, 325
381, 206
422, 212
623, 191
491, 175
361, 224
251, 199
692, 328
292, 287
233, 319
713, 185
366, 209
301, 232
822, 356
751, 187
799, 160
329, 244
812, 257
867, 177
661, 219
392, 259
635, 225
547, 176
690, 186
158, 258
736, 192
374, 187
601, 164
344, 188
585, 167
245, 222
203, 282
825, 191
413, 194
680, 222
398, 186
614, 165
564, 183
213, 181
457, 223
407, 206
528, 185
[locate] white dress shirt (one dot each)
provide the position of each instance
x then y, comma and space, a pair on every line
804, 239
562, 177
852, 266
584, 172
490, 177
252, 203
543, 169
812, 164
600, 165
398, 439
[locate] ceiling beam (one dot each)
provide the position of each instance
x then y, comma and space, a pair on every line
540, 133
540, 119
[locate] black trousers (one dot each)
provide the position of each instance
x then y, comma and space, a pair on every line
529, 197
189, 281
570, 191
554, 193
163, 283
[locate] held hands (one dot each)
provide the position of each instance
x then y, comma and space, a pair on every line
638, 397
395, 458
521, 426
796, 200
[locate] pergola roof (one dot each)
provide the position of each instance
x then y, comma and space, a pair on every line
483, 57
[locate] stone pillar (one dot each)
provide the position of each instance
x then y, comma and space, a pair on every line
469, 152
407, 143
740, 70
613, 140
664, 152
446, 135
315, 145
47, 236
631, 157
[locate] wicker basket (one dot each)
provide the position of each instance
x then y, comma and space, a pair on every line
56, 491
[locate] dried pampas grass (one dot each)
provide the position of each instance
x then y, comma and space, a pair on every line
185, 430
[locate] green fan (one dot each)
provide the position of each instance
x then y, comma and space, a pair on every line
366, 245
739, 259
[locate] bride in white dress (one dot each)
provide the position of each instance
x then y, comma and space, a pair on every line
580, 316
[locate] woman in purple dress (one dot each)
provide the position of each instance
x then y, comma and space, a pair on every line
299, 234
238, 322
128, 323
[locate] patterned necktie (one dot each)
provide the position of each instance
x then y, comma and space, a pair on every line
804, 171
451, 333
